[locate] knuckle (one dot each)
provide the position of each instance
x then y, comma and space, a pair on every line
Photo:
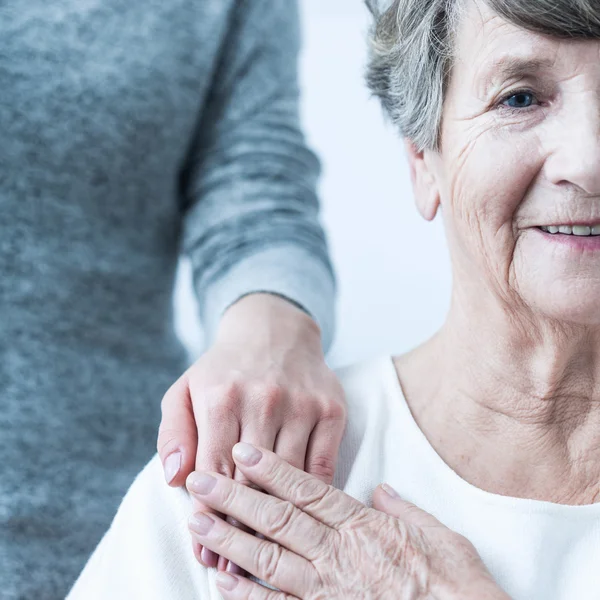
272, 391
335, 410
325, 540
227, 538
267, 399
278, 519
167, 440
322, 466
262, 593
227, 393
268, 559
229, 496
464, 544
311, 494
408, 547
274, 473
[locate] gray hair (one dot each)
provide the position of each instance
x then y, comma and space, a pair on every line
412, 46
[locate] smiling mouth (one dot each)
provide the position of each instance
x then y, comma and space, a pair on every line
578, 230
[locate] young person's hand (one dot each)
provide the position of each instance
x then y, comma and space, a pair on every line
263, 381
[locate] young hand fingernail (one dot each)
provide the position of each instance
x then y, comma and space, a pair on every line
246, 454
172, 466
209, 558
234, 569
226, 581
201, 523
201, 483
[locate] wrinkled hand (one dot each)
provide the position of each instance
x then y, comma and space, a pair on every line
321, 543
264, 381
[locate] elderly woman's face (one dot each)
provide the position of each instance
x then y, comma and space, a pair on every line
520, 156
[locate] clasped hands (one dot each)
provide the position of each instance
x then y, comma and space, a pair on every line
265, 382
317, 542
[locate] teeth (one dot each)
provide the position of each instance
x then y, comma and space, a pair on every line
580, 230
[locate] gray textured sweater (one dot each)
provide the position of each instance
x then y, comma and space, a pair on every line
129, 131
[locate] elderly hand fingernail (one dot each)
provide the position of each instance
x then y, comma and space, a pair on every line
246, 454
389, 490
201, 523
201, 483
226, 581
172, 466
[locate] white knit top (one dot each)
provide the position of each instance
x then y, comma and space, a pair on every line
535, 550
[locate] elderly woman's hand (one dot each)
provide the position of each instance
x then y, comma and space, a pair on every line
321, 543
264, 381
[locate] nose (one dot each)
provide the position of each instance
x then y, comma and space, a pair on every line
576, 157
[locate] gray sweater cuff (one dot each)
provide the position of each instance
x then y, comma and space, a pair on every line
287, 271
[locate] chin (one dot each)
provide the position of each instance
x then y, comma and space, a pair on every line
569, 303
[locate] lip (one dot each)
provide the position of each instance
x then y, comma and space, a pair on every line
582, 243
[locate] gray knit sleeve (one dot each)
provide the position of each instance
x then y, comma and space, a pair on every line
251, 214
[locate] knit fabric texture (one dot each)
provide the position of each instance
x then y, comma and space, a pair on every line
131, 132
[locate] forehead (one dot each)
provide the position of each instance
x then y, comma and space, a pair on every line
492, 49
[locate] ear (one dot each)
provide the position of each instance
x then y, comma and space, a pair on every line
424, 181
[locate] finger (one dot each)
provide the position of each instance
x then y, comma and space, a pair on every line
256, 434
177, 434
291, 443
263, 559
313, 496
276, 519
218, 426
241, 588
204, 556
323, 447
218, 430
387, 500
262, 434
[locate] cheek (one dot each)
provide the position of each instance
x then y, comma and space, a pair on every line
489, 178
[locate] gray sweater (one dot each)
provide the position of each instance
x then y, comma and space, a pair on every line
131, 131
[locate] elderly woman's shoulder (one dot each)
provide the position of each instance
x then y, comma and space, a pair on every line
146, 552
370, 386
368, 376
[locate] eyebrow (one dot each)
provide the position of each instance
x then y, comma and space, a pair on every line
512, 67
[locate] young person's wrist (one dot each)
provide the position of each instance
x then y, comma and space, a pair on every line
263, 313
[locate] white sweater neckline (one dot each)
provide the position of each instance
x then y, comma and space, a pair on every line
453, 481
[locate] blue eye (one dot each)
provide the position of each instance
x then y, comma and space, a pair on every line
519, 100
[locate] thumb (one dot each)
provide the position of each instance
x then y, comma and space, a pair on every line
177, 433
387, 500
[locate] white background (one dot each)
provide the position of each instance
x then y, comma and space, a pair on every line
392, 266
